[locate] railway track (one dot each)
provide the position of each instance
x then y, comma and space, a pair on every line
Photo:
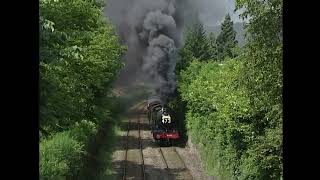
134, 167
125, 166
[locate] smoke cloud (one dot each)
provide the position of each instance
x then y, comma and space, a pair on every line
152, 31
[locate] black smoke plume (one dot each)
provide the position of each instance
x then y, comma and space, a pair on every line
151, 29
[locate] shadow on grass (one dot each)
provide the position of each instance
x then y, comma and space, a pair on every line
179, 114
98, 160
99, 157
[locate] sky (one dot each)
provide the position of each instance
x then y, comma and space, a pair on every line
212, 12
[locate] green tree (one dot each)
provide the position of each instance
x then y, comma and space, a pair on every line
226, 40
79, 59
213, 49
197, 43
263, 78
184, 56
196, 46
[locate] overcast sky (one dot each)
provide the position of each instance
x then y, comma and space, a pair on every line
212, 12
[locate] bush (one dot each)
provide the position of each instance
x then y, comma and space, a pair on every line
214, 103
60, 156
83, 131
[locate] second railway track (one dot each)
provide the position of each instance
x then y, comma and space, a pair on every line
126, 166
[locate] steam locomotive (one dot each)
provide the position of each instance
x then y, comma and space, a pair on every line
163, 127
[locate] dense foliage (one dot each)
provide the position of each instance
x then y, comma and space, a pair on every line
234, 104
79, 59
